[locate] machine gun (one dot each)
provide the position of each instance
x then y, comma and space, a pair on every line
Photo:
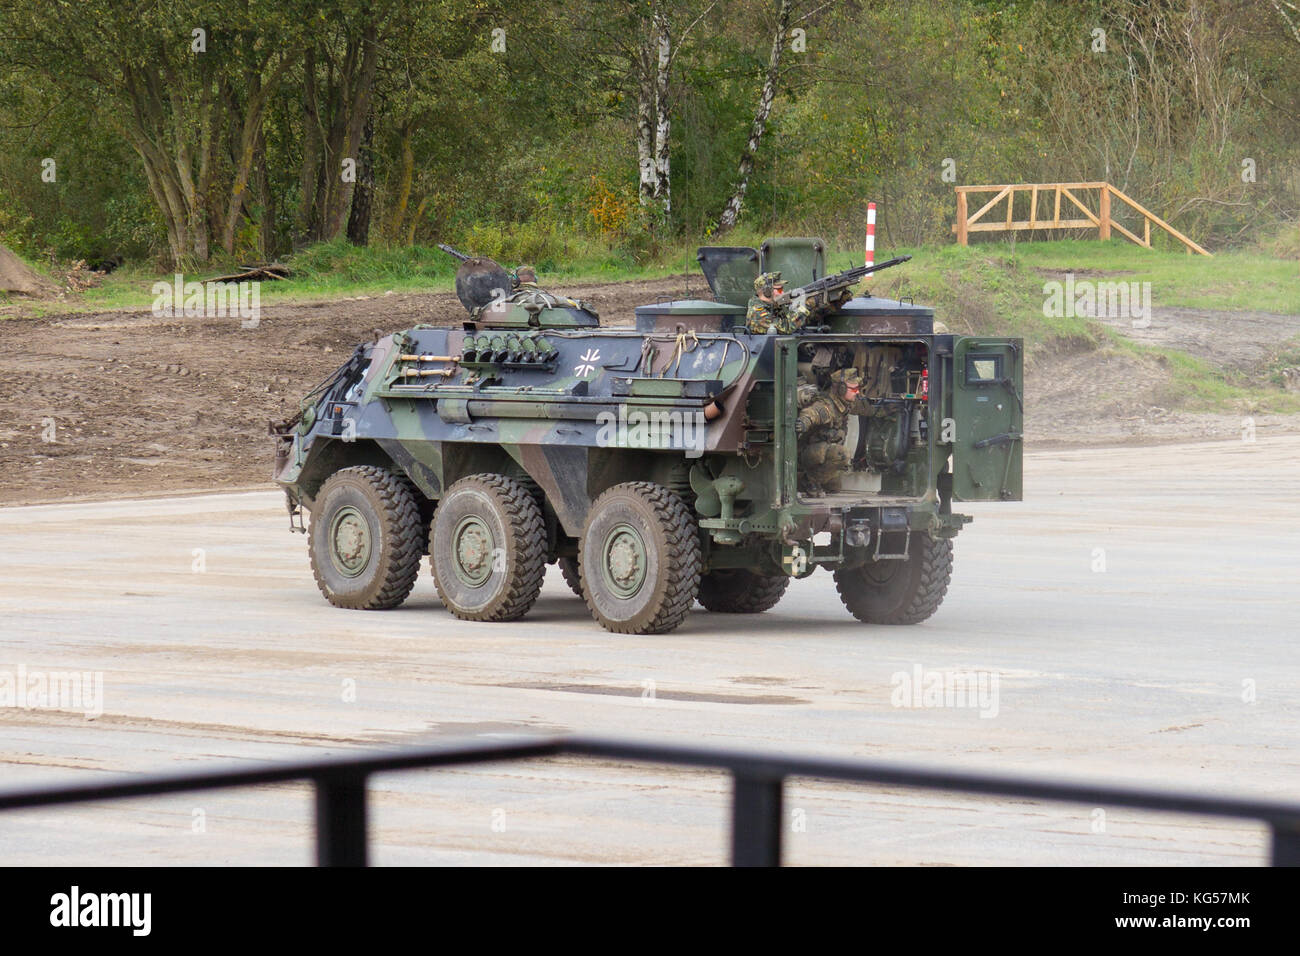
480, 281
834, 288
463, 257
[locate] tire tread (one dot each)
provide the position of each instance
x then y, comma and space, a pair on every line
934, 575
403, 526
684, 559
525, 524
762, 594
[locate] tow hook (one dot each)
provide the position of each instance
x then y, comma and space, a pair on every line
857, 533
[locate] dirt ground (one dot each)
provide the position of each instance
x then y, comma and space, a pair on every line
17, 276
128, 403
1237, 341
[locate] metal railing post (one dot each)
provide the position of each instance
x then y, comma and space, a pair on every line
756, 820
758, 779
341, 820
1286, 844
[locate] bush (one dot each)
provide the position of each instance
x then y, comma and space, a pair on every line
538, 243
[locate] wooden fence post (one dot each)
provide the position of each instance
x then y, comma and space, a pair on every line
961, 217
1103, 229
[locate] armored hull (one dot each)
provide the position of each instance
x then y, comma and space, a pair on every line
660, 465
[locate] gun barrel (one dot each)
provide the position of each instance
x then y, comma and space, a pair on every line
896, 261
860, 271
453, 252
842, 280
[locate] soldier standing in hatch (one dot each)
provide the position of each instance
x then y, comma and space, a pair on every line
525, 280
822, 426
524, 287
766, 315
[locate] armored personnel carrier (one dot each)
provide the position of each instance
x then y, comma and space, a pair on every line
659, 464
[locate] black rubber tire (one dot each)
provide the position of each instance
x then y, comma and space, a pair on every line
513, 519
673, 558
913, 590
387, 502
569, 570
738, 591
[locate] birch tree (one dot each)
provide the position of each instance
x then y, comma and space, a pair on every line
745, 169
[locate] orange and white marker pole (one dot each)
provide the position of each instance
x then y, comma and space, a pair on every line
870, 258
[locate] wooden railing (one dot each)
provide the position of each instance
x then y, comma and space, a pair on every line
1101, 220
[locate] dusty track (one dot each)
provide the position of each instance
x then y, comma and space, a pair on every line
1127, 605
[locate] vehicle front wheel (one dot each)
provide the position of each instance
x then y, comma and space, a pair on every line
899, 591
640, 558
366, 538
738, 591
488, 548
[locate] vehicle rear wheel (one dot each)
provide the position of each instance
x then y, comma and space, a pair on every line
738, 591
639, 558
898, 591
569, 571
488, 548
366, 538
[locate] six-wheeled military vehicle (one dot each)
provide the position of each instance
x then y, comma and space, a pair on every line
659, 464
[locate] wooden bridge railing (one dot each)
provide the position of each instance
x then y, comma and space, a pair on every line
1101, 220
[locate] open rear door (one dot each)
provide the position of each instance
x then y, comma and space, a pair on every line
988, 410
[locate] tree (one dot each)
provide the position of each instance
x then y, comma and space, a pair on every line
630, 48
745, 168
338, 80
188, 94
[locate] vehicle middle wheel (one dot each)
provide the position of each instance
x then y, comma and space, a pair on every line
487, 548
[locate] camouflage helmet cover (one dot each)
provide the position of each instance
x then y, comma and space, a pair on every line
525, 274
766, 282
850, 378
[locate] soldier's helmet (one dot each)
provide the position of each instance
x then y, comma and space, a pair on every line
850, 379
525, 274
767, 283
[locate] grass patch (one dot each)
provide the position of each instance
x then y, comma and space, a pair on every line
989, 288
1287, 358
1196, 385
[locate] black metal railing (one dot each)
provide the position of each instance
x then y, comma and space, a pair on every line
758, 785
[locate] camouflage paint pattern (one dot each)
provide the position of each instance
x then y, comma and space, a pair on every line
538, 393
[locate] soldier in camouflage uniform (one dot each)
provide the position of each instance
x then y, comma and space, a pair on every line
765, 315
525, 280
524, 288
822, 426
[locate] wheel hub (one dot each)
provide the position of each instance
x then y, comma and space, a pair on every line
350, 541
625, 560
472, 550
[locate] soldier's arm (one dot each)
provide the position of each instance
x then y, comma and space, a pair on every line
818, 413
861, 406
796, 315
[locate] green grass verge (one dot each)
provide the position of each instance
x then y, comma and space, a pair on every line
995, 288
